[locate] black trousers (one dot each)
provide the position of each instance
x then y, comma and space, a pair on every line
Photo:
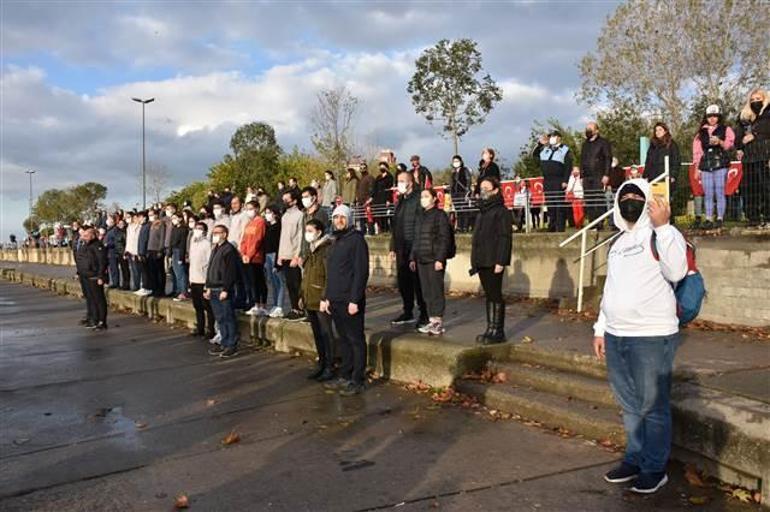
593, 202
321, 323
557, 209
352, 341
432, 284
293, 277
204, 315
125, 273
257, 284
492, 284
461, 204
755, 189
156, 273
144, 269
90, 314
99, 301
409, 284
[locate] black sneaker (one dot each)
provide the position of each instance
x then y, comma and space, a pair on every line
216, 350
316, 373
326, 375
649, 483
337, 384
294, 316
101, 326
85, 321
622, 474
422, 323
719, 224
352, 389
708, 225
403, 318
229, 352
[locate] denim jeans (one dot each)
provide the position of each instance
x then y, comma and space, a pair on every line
639, 370
136, 273
180, 272
714, 190
224, 312
114, 271
275, 280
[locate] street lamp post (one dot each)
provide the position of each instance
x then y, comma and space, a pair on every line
144, 161
30, 173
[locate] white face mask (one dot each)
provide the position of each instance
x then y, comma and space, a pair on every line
310, 237
552, 141
426, 202
110, 222
197, 233
251, 213
191, 225
269, 217
401, 187
456, 164
169, 212
216, 239
152, 218
307, 201
217, 213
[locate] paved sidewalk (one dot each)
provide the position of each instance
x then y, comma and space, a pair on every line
733, 362
127, 419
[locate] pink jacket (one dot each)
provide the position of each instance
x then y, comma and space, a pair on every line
727, 144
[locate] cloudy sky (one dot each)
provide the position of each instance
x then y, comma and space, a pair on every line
69, 70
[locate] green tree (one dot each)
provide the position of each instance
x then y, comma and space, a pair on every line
255, 137
300, 165
450, 87
254, 160
623, 126
527, 165
195, 192
651, 54
67, 205
332, 121
31, 224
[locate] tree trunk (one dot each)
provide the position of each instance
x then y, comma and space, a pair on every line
456, 141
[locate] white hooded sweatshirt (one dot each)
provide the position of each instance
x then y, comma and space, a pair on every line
638, 298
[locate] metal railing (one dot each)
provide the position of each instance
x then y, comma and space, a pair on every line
583, 235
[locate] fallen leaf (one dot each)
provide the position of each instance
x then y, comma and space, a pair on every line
140, 425
231, 438
181, 502
500, 377
742, 495
698, 500
692, 476
210, 402
527, 339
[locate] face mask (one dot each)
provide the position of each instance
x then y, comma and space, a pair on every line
169, 212
756, 106
589, 134
310, 237
426, 202
191, 225
269, 217
552, 141
307, 202
456, 164
401, 187
631, 209
327, 177
152, 218
110, 222
251, 213
217, 213
216, 239
197, 233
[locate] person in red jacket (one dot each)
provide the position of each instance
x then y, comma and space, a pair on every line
253, 254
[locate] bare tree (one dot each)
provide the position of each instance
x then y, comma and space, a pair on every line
332, 120
158, 177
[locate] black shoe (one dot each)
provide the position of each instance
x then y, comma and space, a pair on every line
89, 324
196, 333
101, 326
498, 324
352, 389
326, 375
708, 225
229, 352
317, 373
85, 321
337, 384
216, 350
482, 338
403, 318
622, 474
697, 224
719, 224
649, 483
294, 316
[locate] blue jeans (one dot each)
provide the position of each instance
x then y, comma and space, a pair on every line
180, 272
112, 259
714, 189
275, 280
639, 370
224, 312
136, 273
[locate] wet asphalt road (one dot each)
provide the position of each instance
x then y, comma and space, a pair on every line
130, 418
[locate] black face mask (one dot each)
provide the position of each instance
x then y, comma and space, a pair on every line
756, 106
589, 134
631, 209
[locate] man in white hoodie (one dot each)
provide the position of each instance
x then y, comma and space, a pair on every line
638, 330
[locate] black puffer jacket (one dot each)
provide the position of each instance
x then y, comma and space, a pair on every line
404, 223
179, 240
491, 170
433, 237
655, 163
757, 150
347, 268
91, 260
492, 235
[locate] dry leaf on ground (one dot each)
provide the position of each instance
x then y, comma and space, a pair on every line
231, 438
692, 476
181, 502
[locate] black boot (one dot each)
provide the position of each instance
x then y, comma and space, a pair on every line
326, 375
498, 324
317, 373
482, 338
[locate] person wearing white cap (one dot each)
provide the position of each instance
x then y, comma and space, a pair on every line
710, 153
344, 297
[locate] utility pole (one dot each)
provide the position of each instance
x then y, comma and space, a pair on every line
30, 173
144, 160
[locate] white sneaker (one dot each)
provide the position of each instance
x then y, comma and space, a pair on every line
425, 329
261, 312
216, 340
277, 312
140, 291
253, 311
145, 292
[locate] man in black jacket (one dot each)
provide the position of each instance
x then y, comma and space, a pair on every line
382, 197
556, 166
595, 164
91, 265
422, 177
347, 273
404, 227
221, 276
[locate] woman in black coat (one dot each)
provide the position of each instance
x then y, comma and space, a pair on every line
490, 254
432, 247
752, 140
460, 189
662, 145
487, 168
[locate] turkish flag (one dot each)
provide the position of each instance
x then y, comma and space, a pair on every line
734, 177
440, 193
536, 191
696, 186
509, 191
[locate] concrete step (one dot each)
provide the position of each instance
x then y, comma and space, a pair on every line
572, 362
579, 417
561, 383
